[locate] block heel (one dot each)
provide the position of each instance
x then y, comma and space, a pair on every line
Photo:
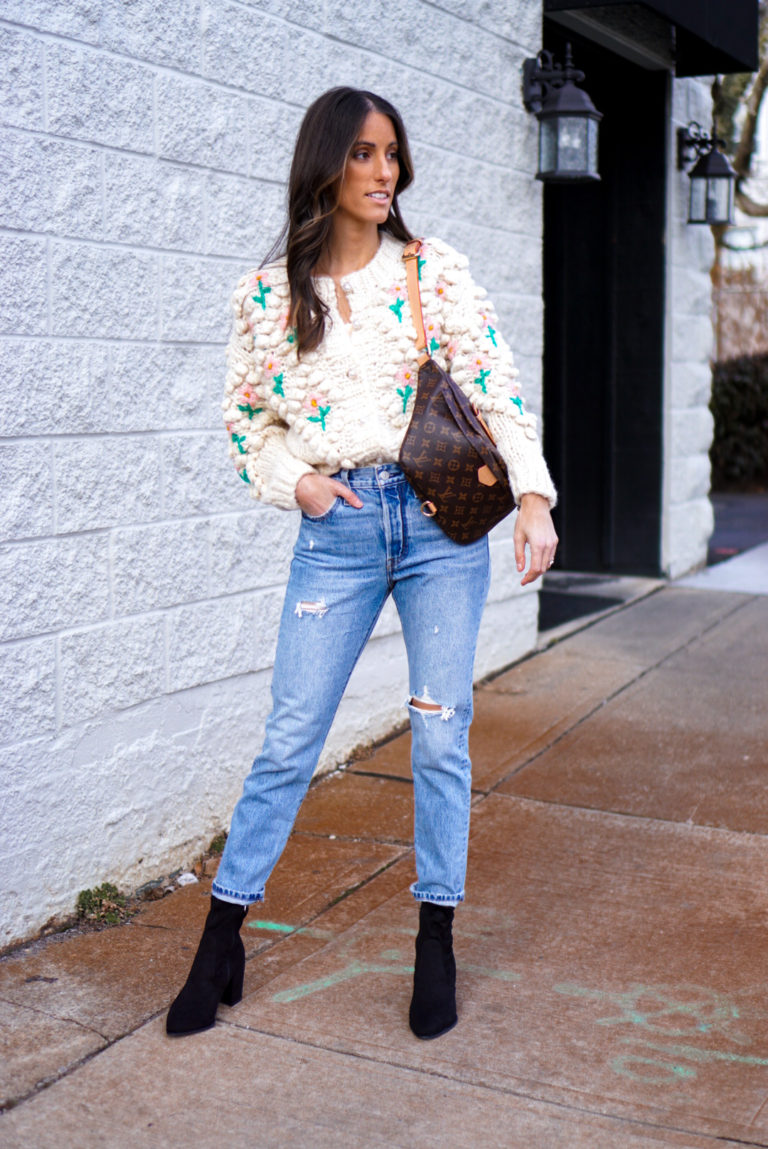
216, 974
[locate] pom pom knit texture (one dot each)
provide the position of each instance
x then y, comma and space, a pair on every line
348, 403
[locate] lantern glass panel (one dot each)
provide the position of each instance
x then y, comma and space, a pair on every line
718, 201
697, 212
572, 149
547, 145
592, 133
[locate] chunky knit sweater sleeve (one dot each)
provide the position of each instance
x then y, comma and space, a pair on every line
480, 361
254, 389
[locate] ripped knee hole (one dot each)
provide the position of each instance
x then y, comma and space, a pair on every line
429, 706
420, 704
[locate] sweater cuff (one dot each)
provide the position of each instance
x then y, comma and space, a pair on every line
279, 471
530, 476
521, 450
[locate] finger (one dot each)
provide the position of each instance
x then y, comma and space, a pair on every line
348, 494
519, 539
530, 576
534, 571
539, 558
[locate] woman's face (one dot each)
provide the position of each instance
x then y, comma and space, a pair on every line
371, 173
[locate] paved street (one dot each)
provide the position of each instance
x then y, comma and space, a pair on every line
613, 950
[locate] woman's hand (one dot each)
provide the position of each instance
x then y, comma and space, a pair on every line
316, 493
534, 526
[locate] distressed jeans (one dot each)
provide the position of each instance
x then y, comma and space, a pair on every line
346, 562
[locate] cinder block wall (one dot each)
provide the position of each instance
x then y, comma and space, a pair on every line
144, 154
688, 425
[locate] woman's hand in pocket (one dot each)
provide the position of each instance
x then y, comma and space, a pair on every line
316, 494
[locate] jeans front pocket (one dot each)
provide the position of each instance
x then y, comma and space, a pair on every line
326, 514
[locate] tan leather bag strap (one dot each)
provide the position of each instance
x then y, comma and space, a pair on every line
411, 258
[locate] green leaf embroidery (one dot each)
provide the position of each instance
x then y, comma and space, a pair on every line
434, 344
420, 263
491, 334
405, 393
250, 411
262, 296
397, 308
481, 378
244, 476
320, 417
518, 402
278, 387
239, 439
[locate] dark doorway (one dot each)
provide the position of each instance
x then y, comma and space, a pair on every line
604, 325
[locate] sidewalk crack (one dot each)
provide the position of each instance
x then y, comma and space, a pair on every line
55, 1016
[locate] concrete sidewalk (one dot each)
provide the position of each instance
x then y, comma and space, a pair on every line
613, 950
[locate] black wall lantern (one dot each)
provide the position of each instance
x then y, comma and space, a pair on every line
568, 120
713, 180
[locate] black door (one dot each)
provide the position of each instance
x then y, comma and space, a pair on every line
604, 325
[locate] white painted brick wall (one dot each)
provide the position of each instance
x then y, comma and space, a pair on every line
144, 162
687, 512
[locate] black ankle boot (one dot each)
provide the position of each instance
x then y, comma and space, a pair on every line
216, 974
433, 1005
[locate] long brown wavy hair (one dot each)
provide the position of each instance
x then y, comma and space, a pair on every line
329, 130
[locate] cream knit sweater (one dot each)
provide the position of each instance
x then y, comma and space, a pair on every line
348, 403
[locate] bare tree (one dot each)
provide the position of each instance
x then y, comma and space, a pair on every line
730, 95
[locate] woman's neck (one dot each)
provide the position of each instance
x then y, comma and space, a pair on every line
349, 249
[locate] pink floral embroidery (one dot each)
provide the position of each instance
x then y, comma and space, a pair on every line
407, 377
397, 307
247, 400
273, 369
320, 408
259, 285
488, 330
482, 365
247, 394
289, 332
516, 397
433, 336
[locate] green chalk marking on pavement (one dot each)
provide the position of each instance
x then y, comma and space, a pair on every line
666, 1074
668, 1010
283, 928
353, 970
692, 1053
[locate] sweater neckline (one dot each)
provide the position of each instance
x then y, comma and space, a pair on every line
389, 253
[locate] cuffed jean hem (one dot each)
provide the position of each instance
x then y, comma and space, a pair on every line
236, 898
436, 899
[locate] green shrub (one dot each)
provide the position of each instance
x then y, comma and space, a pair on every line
739, 404
104, 903
218, 843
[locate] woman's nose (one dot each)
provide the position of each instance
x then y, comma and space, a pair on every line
384, 171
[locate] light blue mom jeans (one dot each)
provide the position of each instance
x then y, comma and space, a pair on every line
346, 562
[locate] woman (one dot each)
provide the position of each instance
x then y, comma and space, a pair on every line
320, 388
